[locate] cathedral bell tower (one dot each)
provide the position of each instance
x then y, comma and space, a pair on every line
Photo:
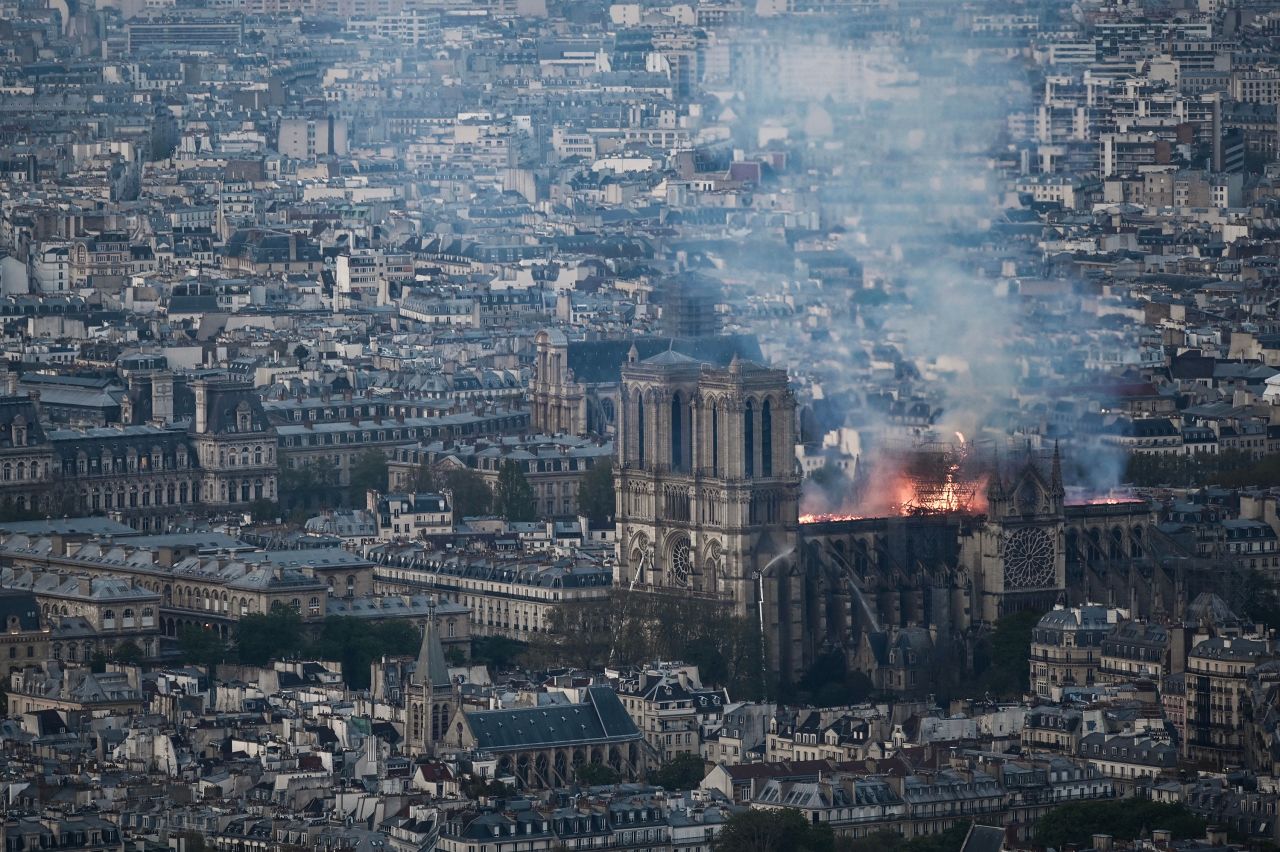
429, 695
708, 492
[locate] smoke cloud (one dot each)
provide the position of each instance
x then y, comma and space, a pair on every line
903, 140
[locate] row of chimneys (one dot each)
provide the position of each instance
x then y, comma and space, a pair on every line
1161, 838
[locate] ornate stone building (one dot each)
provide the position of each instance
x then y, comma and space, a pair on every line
141, 473
1017, 558
707, 487
26, 457
235, 443
577, 384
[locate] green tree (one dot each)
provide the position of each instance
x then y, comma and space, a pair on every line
473, 788
596, 774
829, 683
1124, 820
128, 652
596, 500
276, 635
1259, 598
264, 511
1000, 660
682, 772
425, 479
98, 662
468, 492
301, 354
514, 498
580, 633
725, 647
201, 646
306, 486
356, 644
497, 652
369, 472
782, 830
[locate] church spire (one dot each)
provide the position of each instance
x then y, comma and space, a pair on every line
1055, 478
432, 670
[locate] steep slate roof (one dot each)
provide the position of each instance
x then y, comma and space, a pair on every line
20, 605
431, 668
600, 361
983, 838
601, 718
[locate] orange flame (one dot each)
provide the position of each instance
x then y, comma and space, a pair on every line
893, 493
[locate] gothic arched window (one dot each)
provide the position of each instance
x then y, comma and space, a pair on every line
766, 439
715, 439
677, 433
749, 438
640, 426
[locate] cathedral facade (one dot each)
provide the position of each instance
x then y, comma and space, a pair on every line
707, 487
708, 494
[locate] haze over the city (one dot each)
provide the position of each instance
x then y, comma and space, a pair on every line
708, 426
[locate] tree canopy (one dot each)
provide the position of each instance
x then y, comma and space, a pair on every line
1000, 660
356, 644
1229, 469
369, 472
725, 647
783, 830
514, 499
596, 500
682, 772
425, 479
277, 635
201, 647
497, 652
469, 493
281, 634
830, 683
128, 651
1124, 820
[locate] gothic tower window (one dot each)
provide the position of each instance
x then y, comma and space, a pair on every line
715, 439
766, 439
640, 426
749, 438
677, 437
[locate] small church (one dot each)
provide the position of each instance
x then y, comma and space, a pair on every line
423, 689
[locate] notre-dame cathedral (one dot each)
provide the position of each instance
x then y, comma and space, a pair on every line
708, 495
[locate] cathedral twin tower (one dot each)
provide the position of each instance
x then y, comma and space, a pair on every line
707, 489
